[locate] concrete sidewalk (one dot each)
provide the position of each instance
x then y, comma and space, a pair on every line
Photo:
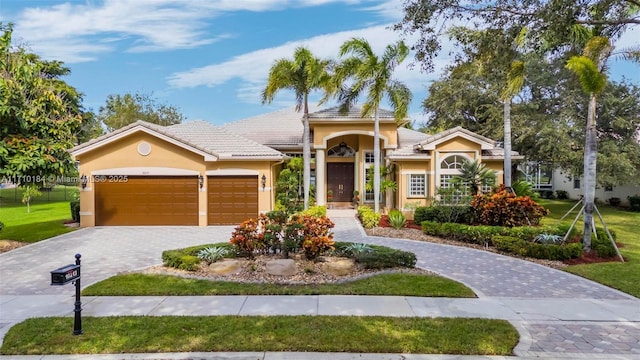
607, 316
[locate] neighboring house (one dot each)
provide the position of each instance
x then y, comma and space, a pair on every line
574, 186
547, 179
196, 173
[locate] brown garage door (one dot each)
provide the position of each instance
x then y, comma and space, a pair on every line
232, 199
147, 200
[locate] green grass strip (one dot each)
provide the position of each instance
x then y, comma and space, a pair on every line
397, 284
258, 333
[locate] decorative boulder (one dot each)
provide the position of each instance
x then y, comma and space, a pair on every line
339, 267
281, 267
226, 267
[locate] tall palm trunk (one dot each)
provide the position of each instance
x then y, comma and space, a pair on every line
507, 143
590, 159
376, 159
306, 154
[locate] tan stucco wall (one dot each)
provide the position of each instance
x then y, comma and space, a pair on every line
457, 144
163, 159
431, 168
497, 166
325, 132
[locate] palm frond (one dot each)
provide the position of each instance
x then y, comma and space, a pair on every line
515, 80
598, 49
591, 79
628, 54
400, 97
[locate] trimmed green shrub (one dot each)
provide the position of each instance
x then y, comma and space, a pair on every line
482, 234
375, 256
176, 258
189, 263
368, 217
521, 247
634, 202
441, 213
602, 245
383, 257
562, 194
318, 210
615, 201
75, 210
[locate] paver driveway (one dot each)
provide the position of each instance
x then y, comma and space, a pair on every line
587, 327
105, 251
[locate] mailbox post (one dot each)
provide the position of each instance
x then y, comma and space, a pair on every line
71, 274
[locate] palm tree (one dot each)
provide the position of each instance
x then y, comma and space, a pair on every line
372, 75
590, 69
515, 80
475, 175
302, 74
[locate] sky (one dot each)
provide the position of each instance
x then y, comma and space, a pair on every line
211, 58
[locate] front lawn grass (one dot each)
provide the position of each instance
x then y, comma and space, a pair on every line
397, 284
366, 334
621, 276
45, 220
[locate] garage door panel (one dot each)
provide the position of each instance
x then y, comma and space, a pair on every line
232, 199
148, 201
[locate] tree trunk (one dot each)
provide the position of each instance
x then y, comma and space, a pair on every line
376, 165
306, 155
590, 159
507, 143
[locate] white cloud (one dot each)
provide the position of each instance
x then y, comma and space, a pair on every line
70, 31
252, 68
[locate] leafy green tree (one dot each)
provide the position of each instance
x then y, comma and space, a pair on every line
302, 74
547, 118
39, 115
28, 193
551, 25
288, 186
90, 128
122, 110
496, 51
475, 175
372, 75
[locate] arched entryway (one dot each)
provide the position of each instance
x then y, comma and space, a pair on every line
341, 172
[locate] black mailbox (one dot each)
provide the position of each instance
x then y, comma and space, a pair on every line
65, 275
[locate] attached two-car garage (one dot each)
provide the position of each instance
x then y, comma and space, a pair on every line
173, 200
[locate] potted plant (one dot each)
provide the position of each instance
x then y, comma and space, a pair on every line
330, 197
356, 198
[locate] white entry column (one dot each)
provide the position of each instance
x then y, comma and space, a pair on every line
321, 167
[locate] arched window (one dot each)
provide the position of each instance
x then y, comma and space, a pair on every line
341, 150
452, 162
449, 168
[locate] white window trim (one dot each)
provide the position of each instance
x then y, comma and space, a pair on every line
425, 178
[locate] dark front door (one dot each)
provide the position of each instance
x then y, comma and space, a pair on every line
340, 181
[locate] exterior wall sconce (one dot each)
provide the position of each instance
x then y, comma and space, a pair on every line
263, 181
201, 181
83, 181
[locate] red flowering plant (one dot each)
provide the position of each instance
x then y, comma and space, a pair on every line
505, 208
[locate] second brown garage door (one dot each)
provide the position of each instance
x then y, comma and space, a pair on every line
146, 200
232, 199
